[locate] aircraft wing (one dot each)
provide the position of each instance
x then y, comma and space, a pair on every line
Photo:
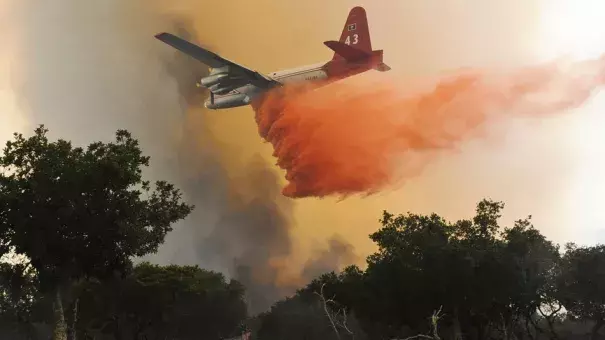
215, 61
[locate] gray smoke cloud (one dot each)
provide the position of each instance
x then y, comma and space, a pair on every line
254, 231
88, 68
338, 254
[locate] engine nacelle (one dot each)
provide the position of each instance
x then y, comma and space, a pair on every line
230, 101
213, 79
217, 89
222, 69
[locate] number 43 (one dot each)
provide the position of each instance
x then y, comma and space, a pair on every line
355, 40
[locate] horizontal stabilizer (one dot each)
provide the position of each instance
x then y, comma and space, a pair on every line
382, 67
348, 52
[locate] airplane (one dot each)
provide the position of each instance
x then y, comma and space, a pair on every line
233, 85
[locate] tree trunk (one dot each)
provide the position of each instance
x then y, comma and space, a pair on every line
60, 327
594, 334
551, 327
74, 321
117, 332
456, 326
528, 331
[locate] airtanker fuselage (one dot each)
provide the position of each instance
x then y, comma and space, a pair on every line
323, 73
232, 85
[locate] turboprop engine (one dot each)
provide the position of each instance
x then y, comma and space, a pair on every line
226, 102
213, 79
227, 90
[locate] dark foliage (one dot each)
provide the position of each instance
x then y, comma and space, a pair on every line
79, 216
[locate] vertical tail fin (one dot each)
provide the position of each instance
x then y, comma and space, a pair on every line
356, 32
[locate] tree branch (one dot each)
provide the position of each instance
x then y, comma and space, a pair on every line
325, 308
434, 328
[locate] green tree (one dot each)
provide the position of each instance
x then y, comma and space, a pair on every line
415, 271
485, 279
308, 316
531, 266
19, 298
80, 213
176, 302
581, 284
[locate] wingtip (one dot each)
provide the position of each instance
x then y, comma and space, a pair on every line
159, 36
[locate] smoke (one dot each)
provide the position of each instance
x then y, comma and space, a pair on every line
252, 234
364, 136
338, 254
87, 69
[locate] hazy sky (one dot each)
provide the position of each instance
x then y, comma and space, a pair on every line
551, 169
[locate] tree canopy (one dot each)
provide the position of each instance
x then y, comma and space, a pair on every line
78, 218
485, 281
81, 213
177, 302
